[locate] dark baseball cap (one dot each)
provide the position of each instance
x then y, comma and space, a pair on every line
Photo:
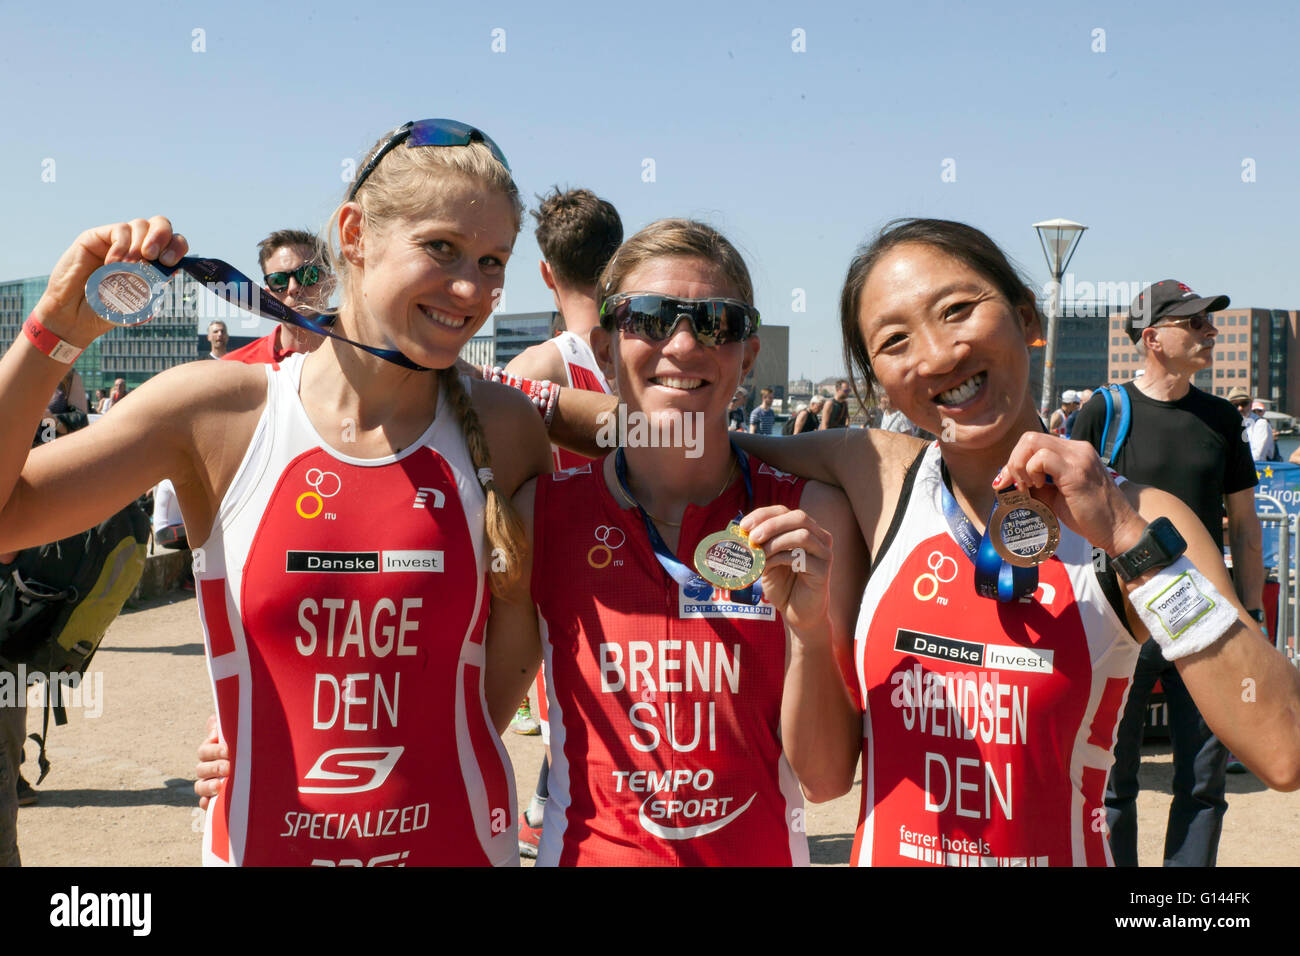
1168, 298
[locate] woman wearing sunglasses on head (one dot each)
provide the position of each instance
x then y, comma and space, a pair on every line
343, 507
673, 700
992, 687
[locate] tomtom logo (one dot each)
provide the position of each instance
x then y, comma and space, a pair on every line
344, 770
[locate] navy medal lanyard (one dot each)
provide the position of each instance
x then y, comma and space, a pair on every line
131, 293
692, 585
994, 577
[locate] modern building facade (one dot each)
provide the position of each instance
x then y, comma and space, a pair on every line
1081, 353
135, 354
514, 333
480, 350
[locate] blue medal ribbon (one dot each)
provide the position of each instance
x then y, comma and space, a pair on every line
994, 577
692, 585
219, 277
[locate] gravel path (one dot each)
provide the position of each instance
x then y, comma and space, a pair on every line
120, 791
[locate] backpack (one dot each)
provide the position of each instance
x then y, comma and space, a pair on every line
1119, 422
788, 427
57, 601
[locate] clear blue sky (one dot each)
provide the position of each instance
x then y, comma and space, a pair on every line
796, 156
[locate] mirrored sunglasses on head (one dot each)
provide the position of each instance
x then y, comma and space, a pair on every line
429, 132
713, 321
307, 275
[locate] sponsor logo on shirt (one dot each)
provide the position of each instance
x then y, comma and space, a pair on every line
765, 469
568, 473
325, 484
344, 770
996, 656
361, 562
608, 540
422, 498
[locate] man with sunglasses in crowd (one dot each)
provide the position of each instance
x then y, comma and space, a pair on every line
1189, 443
294, 271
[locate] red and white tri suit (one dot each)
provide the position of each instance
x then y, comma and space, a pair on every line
665, 709
988, 728
344, 602
581, 372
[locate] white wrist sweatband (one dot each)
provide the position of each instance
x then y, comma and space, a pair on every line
1182, 610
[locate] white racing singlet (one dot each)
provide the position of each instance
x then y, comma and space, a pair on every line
344, 602
583, 373
988, 728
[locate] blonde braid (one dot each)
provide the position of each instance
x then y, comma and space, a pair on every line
505, 530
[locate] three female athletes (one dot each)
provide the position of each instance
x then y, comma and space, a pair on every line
986, 726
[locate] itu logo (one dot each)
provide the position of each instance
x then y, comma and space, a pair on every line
943, 569
610, 540
326, 485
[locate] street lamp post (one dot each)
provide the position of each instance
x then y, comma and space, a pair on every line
1059, 238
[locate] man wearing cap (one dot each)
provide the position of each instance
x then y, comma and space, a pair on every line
1069, 405
1190, 444
1255, 427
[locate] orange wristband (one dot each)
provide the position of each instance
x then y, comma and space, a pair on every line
46, 341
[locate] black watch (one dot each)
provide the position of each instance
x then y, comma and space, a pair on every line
1257, 614
1160, 546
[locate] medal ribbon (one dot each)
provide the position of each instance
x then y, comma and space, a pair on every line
219, 277
692, 585
994, 577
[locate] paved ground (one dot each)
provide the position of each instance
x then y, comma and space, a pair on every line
120, 791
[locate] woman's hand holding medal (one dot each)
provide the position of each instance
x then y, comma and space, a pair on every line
796, 572
1069, 478
63, 308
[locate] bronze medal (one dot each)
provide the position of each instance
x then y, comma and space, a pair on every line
727, 560
1024, 531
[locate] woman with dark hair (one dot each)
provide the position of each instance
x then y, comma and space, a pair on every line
992, 671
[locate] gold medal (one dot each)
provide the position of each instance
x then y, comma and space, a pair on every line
1024, 531
727, 560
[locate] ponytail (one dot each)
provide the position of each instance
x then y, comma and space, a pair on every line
505, 530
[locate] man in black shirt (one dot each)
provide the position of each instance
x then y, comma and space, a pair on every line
835, 413
1190, 444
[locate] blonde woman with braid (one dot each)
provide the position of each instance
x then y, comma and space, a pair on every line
351, 515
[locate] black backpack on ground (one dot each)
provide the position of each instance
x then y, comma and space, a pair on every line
57, 601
